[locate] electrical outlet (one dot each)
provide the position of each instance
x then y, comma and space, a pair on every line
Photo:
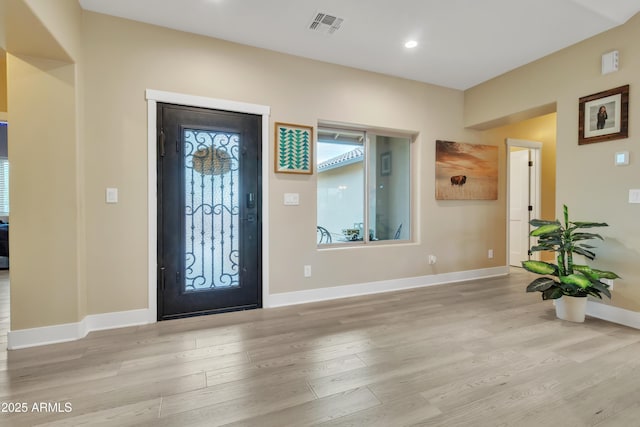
490, 253
432, 259
608, 282
307, 271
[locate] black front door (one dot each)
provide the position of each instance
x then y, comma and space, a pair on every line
209, 204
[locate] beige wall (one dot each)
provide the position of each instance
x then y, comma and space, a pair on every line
541, 129
62, 19
24, 31
3, 81
42, 142
46, 223
587, 180
124, 58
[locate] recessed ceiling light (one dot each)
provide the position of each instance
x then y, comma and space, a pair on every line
411, 44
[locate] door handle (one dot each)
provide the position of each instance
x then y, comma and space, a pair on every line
251, 200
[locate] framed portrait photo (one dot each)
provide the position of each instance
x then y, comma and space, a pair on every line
604, 116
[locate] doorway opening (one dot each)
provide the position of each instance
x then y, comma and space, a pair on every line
523, 196
208, 211
155, 98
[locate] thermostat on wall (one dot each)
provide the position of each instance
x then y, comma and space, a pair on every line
622, 158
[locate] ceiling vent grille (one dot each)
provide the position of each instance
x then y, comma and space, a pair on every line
325, 23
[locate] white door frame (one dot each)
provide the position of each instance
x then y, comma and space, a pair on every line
535, 183
155, 96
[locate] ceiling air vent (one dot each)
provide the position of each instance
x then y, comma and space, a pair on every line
325, 23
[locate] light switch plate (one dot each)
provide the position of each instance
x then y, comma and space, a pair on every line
111, 195
291, 199
622, 158
634, 196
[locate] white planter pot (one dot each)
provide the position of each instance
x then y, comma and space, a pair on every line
571, 308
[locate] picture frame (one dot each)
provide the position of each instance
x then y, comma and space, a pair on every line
604, 116
466, 171
294, 148
385, 163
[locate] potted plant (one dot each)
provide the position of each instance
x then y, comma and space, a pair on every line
567, 283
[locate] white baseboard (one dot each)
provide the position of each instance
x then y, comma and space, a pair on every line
613, 314
24, 338
323, 294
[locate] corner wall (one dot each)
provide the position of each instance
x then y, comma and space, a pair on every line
587, 180
42, 99
3, 81
541, 129
42, 138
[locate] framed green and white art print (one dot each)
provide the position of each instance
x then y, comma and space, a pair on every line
294, 148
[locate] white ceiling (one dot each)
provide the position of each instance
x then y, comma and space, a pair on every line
461, 42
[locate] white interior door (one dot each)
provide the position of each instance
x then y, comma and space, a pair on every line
524, 190
519, 196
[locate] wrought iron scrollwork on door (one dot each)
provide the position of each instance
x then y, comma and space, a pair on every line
212, 209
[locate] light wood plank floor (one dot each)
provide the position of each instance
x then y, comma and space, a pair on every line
480, 353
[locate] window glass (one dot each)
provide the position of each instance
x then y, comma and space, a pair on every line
364, 187
340, 157
389, 187
4, 187
4, 171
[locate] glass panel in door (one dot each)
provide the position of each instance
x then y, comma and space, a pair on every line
212, 209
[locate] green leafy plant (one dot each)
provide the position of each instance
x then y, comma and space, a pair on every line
565, 277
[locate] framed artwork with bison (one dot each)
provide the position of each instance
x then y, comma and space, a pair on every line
466, 171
